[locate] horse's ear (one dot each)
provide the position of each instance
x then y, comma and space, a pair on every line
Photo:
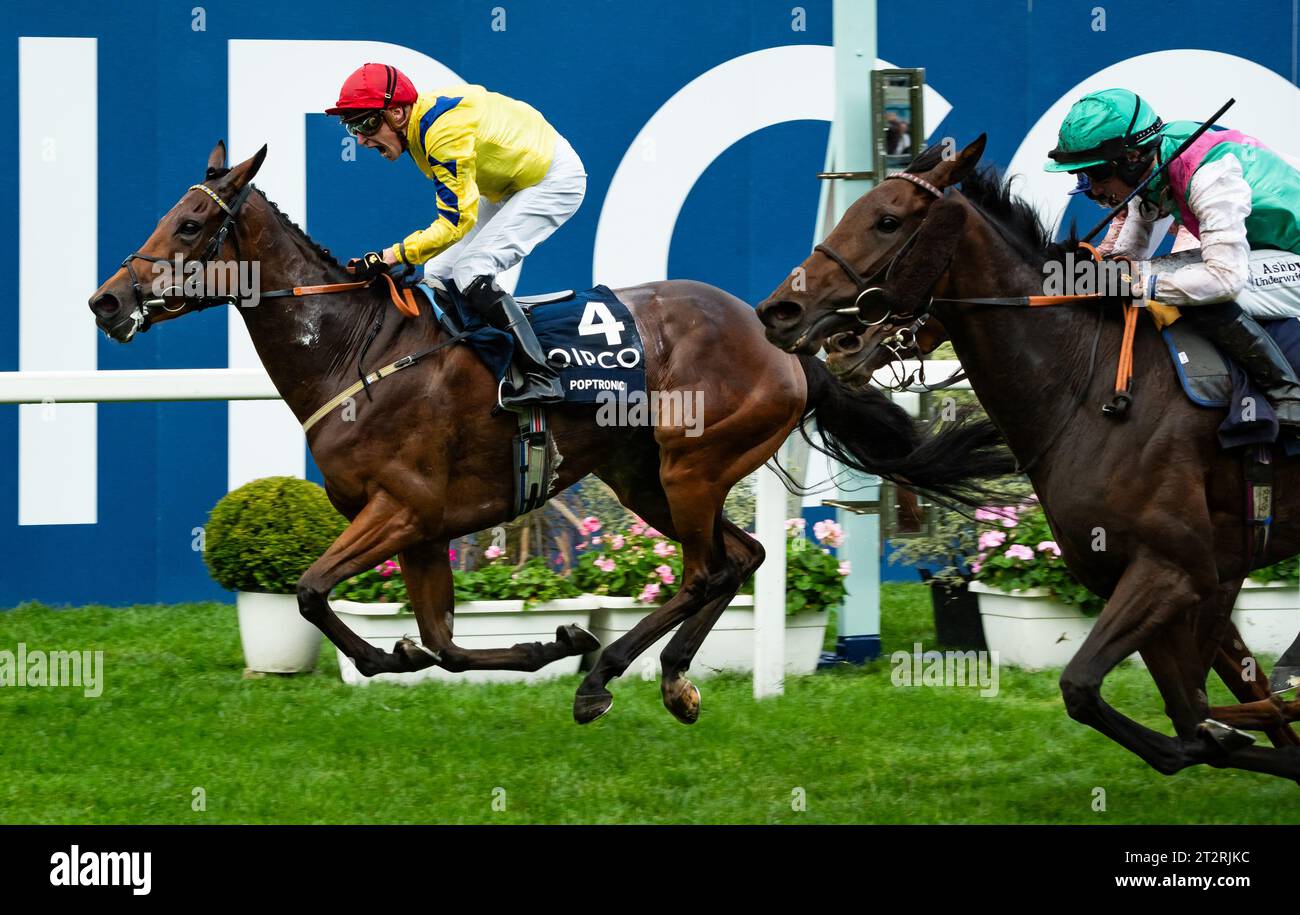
244, 171
217, 158
951, 172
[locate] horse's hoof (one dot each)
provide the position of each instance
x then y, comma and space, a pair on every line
415, 656
587, 707
1228, 738
683, 700
367, 667
1284, 678
576, 640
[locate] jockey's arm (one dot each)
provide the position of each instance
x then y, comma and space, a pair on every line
449, 149
1220, 199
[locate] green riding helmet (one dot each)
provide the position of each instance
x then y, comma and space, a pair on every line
1100, 127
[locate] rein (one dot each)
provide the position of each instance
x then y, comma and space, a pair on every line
403, 300
904, 340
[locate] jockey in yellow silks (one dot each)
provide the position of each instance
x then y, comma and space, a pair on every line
504, 180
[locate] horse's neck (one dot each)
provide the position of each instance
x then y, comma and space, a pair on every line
1026, 365
307, 344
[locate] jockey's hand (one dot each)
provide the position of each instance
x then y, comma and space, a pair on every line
368, 265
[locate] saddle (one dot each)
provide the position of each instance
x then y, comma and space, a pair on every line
589, 336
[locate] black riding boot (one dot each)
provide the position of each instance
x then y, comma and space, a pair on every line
1241, 337
541, 384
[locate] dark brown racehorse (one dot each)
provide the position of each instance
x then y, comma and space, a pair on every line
426, 461
1148, 511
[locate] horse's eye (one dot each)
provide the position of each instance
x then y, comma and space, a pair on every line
889, 223
188, 227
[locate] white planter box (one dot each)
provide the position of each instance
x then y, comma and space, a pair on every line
477, 624
1030, 628
275, 637
729, 646
1267, 616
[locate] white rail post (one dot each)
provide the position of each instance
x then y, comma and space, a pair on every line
769, 586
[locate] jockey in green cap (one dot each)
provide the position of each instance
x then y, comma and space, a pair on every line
1231, 192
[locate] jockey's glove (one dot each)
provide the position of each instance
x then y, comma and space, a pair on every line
368, 265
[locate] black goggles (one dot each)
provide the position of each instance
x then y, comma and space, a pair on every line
1097, 172
366, 125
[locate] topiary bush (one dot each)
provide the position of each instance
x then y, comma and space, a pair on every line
264, 535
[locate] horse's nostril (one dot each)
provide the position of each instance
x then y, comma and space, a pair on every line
105, 305
782, 311
847, 343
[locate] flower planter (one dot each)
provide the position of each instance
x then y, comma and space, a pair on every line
729, 646
957, 622
478, 624
1267, 616
1030, 628
275, 637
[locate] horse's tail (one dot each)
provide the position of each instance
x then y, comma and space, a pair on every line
863, 429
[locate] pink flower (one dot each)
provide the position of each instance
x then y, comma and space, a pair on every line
649, 594
651, 532
1049, 546
845, 567
829, 533
605, 565
637, 528
493, 551
590, 524
976, 566
795, 525
1019, 551
664, 549
990, 539
666, 574
1004, 513
451, 555
617, 542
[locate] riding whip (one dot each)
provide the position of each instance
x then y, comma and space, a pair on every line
1182, 148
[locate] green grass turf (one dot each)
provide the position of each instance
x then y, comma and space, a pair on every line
177, 713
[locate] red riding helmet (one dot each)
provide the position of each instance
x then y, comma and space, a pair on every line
374, 86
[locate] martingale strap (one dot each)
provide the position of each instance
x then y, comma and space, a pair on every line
404, 363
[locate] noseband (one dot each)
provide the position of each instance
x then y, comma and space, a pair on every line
145, 307
867, 285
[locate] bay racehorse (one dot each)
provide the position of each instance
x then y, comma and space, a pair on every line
427, 461
1147, 510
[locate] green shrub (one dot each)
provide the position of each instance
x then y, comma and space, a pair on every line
264, 535
532, 582
1287, 572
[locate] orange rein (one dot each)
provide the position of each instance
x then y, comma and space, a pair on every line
403, 300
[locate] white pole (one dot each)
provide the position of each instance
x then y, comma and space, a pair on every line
769, 587
136, 385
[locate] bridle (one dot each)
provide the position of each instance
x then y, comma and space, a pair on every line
902, 344
866, 285
145, 308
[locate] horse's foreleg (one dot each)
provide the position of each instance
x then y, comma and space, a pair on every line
1151, 594
427, 570
380, 531
1260, 710
744, 555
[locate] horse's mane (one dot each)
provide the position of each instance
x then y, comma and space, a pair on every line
299, 230
991, 193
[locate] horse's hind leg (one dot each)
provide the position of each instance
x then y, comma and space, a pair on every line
427, 571
744, 554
